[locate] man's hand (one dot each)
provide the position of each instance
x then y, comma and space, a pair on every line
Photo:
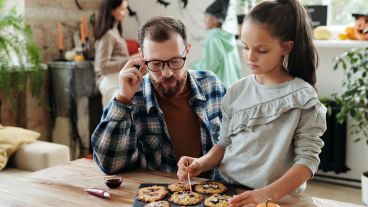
130, 78
188, 165
249, 198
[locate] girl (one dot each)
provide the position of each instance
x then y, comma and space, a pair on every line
272, 119
111, 49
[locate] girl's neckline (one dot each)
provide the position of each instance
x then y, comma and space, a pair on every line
276, 86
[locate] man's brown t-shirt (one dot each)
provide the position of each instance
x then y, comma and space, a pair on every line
182, 123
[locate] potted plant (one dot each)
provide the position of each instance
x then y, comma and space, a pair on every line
19, 58
354, 99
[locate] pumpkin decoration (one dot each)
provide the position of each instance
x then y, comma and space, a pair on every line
361, 26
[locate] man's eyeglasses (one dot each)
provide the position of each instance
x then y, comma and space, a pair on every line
158, 65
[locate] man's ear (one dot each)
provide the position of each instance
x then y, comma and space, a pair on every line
187, 47
140, 51
287, 46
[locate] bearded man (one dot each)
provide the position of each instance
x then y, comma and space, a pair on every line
162, 110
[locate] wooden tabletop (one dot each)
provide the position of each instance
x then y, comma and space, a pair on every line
64, 185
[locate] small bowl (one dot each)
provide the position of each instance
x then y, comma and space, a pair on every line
114, 182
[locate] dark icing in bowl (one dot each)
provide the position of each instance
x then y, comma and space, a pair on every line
114, 182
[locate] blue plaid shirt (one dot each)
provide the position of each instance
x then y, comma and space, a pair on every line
137, 136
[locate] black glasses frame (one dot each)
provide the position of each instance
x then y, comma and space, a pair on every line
164, 62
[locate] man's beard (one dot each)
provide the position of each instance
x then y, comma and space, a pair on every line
172, 91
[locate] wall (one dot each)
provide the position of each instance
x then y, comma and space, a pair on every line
43, 16
27, 111
18, 4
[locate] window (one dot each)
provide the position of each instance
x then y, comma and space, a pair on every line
339, 11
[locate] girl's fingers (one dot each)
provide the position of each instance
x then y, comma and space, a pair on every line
182, 168
192, 168
242, 203
240, 197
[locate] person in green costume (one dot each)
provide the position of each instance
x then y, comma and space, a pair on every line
220, 53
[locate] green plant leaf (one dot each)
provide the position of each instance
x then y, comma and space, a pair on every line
19, 58
357, 139
354, 97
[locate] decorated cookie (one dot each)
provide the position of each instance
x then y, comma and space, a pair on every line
153, 193
217, 200
186, 198
210, 187
179, 186
158, 204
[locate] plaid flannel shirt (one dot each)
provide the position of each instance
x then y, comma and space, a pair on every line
137, 136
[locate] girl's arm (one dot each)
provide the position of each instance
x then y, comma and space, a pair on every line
212, 159
286, 184
291, 180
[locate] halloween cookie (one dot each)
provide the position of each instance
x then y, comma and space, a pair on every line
178, 186
158, 204
217, 200
153, 193
210, 187
186, 198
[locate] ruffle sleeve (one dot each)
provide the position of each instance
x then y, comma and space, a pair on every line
265, 112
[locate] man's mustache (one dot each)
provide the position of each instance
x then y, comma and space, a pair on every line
171, 78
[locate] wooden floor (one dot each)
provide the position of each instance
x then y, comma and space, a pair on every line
335, 192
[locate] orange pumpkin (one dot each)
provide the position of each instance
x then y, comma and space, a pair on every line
350, 33
268, 205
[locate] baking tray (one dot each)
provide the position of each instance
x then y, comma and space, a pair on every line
137, 203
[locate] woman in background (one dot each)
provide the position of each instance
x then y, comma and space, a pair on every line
111, 49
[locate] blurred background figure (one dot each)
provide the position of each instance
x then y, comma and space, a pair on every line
111, 49
220, 53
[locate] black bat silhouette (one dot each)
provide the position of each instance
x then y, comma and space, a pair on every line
131, 12
78, 5
162, 2
185, 3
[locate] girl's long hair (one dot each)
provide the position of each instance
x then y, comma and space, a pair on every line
289, 20
105, 20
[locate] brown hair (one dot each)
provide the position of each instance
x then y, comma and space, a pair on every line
289, 20
159, 29
105, 20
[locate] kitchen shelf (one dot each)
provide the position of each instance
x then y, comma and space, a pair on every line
340, 43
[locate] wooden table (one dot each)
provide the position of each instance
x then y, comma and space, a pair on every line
64, 185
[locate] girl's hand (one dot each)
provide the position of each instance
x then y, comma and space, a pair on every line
249, 198
130, 78
188, 165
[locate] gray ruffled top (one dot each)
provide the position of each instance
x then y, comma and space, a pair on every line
268, 129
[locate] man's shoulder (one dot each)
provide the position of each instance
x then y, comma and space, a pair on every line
203, 75
206, 77
207, 80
